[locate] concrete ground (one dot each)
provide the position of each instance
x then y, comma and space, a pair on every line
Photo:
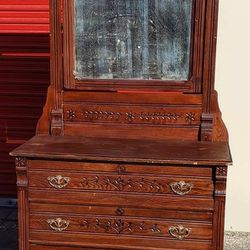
237, 241
8, 233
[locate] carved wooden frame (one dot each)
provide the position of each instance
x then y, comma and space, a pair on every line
192, 85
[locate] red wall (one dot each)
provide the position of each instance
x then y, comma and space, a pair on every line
24, 78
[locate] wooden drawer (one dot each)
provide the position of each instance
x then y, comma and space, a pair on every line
117, 225
42, 208
79, 241
102, 227
118, 183
188, 171
121, 199
41, 247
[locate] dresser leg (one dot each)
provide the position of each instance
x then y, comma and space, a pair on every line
219, 208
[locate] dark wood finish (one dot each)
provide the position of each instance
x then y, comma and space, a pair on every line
119, 226
134, 166
112, 242
139, 183
126, 150
159, 214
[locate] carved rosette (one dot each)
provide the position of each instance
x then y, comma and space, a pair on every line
21, 171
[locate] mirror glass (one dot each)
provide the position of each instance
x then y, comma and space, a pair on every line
133, 39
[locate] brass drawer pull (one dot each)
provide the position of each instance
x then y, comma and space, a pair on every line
179, 232
58, 224
181, 188
58, 181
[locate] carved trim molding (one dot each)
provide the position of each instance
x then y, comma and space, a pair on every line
220, 180
21, 172
207, 127
140, 185
56, 128
124, 184
126, 227
119, 226
130, 117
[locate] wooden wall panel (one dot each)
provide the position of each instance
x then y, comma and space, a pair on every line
24, 78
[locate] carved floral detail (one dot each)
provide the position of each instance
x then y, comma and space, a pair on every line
120, 184
221, 171
119, 226
130, 117
21, 162
101, 115
159, 117
190, 117
71, 115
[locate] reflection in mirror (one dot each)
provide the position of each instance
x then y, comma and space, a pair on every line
133, 39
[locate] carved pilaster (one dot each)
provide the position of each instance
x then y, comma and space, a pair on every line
206, 127
22, 186
219, 207
56, 128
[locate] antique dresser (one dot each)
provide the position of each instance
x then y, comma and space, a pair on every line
130, 151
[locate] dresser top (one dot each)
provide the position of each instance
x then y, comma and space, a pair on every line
126, 150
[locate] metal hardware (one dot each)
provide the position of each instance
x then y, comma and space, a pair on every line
179, 232
58, 224
58, 181
121, 169
181, 188
120, 211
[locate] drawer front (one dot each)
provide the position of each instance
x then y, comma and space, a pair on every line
114, 225
41, 247
129, 183
70, 241
38, 208
124, 200
193, 171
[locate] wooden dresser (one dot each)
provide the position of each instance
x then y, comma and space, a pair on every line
130, 151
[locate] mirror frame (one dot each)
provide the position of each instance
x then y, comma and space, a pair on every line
192, 85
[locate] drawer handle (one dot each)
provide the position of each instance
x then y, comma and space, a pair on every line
179, 232
181, 188
120, 211
58, 224
58, 181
